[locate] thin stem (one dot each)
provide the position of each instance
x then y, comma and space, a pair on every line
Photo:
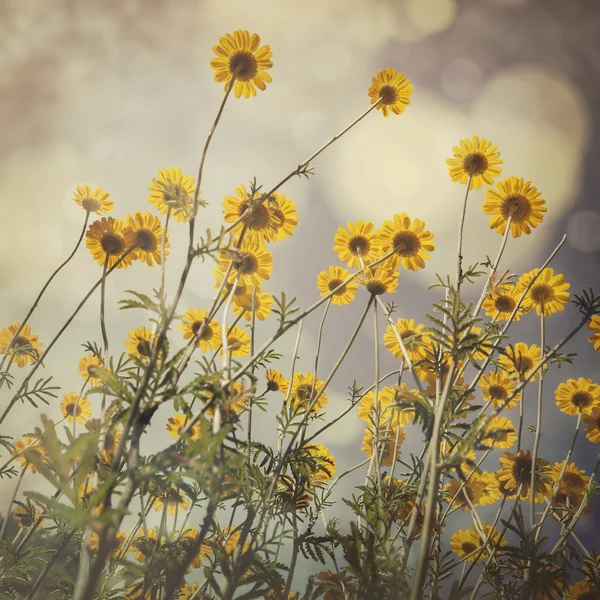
163, 251
461, 225
43, 290
12, 500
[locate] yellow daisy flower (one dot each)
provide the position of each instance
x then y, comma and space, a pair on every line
88, 365
235, 402
412, 336
342, 582
390, 441
358, 240
578, 396
484, 346
25, 348
499, 433
175, 191
594, 325
242, 304
205, 550
548, 293
491, 492
592, 420
393, 89
302, 392
390, 409
381, 279
238, 342
475, 158
468, 543
284, 216
572, 487
93, 201
583, 590
502, 302
138, 343
26, 516
145, 232
210, 339
522, 359
252, 264
187, 591
112, 440
177, 423
106, 237
259, 223
231, 538
34, 448
473, 490
75, 409
325, 465
240, 58
276, 382
175, 500
118, 542
516, 471
327, 281
517, 199
144, 544
497, 387
409, 240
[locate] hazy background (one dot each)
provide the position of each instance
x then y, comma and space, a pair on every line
109, 93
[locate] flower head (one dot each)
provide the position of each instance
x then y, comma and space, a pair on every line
572, 488
389, 442
251, 264
501, 303
592, 420
516, 200
323, 467
583, 590
238, 342
499, 433
392, 90
515, 474
409, 241
192, 323
381, 279
327, 281
242, 304
26, 515
138, 343
357, 241
522, 359
594, 325
578, 396
173, 190
23, 450
548, 294
187, 591
25, 347
497, 386
391, 411
471, 491
305, 389
276, 382
475, 158
105, 239
177, 423
175, 500
471, 545
239, 57
144, 232
92, 200
412, 336
88, 365
76, 408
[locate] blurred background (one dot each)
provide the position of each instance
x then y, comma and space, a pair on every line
109, 93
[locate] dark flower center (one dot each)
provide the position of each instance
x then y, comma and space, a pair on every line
504, 304
112, 244
406, 243
359, 244
522, 470
243, 65
333, 284
376, 287
468, 547
498, 392
272, 385
542, 293
258, 218
73, 409
581, 399
475, 164
518, 207
248, 265
20, 343
523, 364
146, 240
388, 94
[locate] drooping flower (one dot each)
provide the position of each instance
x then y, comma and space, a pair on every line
499, 433
522, 359
192, 322
177, 423
25, 347
138, 343
239, 57
592, 420
594, 325
93, 201
144, 232
88, 365
381, 279
578, 396
75, 408
515, 474
327, 281
173, 190
409, 241
413, 338
303, 395
392, 90
358, 240
276, 382
242, 304
548, 294
251, 264
475, 158
497, 386
106, 238
515, 199
238, 342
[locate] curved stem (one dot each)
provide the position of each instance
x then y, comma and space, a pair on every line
163, 243
461, 225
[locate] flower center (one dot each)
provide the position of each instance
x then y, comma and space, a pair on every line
475, 164
92, 371
207, 334
498, 392
243, 65
333, 284
591, 595
388, 94
523, 364
542, 293
259, 217
468, 547
518, 207
304, 392
91, 204
272, 385
73, 409
112, 244
146, 240
359, 243
20, 343
248, 265
25, 519
174, 195
406, 243
573, 481
581, 399
143, 348
522, 470
409, 333
504, 304
376, 287
278, 218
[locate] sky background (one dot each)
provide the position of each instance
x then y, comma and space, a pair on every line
109, 93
